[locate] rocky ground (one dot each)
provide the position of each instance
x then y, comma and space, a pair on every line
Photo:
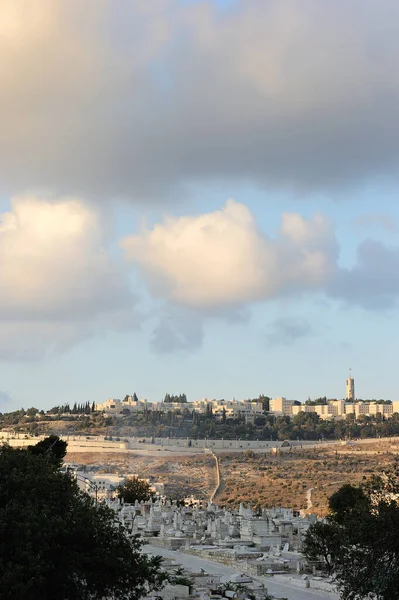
183, 476
260, 479
285, 479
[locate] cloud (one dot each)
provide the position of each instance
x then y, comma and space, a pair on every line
58, 283
373, 281
182, 329
136, 100
222, 259
216, 265
375, 219
177, 330
4, 398
286, 331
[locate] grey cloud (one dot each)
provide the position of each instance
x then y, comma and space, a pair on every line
4, 398
137, 101
373, 282
32, 340
181, 329
177, 330
287, 331
375, 219
234, 316
346, 345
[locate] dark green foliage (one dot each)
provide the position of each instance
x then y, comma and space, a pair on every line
53, 446
318, 544
134, 397
348, 502
180, 577
322, 400
77, 409
182, 398
265, 400
304, 426
182, 422
134, 489
360, 542
54, 541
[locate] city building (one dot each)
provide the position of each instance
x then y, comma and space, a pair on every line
350, 387
281, 406
218, 408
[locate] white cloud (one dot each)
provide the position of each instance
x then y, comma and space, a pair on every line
57, 279
222, 259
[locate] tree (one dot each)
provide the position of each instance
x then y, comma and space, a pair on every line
182, 398
53, 447
359, 541
265, 402
322, 400
317, 545
32, 412
181, 577
56, 543
134, 489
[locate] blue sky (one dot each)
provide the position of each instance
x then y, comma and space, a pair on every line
204, 202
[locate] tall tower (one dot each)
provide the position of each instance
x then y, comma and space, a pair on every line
350, 387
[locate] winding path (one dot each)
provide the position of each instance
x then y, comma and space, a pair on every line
218, 480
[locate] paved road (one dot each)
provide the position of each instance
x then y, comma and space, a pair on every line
277, 589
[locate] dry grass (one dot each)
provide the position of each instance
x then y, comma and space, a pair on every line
283, 480
183, 476
263, 480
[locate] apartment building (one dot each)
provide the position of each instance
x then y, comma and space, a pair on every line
335, 409
229, 408
281, 406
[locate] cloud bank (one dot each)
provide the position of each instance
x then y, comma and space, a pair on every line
217, 262
57, 278
373, 281
222, 259
60, 284
111, 99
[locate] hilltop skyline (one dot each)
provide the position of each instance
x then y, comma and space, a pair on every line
198, 195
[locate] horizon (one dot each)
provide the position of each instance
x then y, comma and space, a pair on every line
302, 402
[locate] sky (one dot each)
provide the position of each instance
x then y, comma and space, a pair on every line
198, 197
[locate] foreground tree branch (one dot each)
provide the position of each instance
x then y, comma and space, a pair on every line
359, 542
54, 541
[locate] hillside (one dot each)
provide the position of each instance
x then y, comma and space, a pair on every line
183, 476
260, 479
183, 423
284, 480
